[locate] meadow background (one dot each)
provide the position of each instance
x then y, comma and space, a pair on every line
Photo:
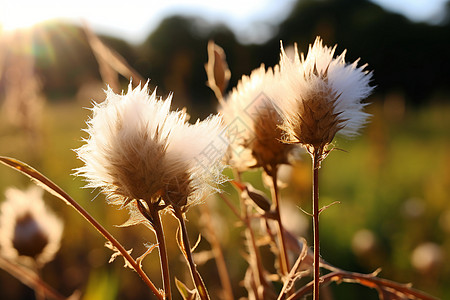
393, 181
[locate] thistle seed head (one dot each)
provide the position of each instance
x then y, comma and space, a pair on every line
322, 96
29, 231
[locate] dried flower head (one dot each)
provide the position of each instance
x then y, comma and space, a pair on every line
139, 149
322, 96
28, 229
254, 122
198, 151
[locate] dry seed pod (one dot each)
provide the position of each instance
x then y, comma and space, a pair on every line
217, 70
259, 198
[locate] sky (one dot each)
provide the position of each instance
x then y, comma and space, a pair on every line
133, 21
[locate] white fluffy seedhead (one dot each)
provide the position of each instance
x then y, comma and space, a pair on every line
253, 122
29, 231
321, 95
138, 149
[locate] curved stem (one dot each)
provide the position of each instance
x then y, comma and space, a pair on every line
385, 288
196, 278
55, 190
29, 278
39, 291
284, 260
316, 156
157, 225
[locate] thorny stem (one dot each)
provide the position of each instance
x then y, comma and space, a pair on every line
284, 261
55, 190
157, 225
196, 278
317, 157
218, 255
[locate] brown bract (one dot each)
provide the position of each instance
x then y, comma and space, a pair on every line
254, 122
267, 148
134, 174
316, 123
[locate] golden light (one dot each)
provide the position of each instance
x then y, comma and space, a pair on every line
19, 15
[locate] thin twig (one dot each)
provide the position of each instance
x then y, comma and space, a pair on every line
55, 190
294, 274
370, 280
232, 207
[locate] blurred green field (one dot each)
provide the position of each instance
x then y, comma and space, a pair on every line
393, 180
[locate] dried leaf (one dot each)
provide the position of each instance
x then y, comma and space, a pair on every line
150, 248
186, 293
203, 257
199, 239
117, 253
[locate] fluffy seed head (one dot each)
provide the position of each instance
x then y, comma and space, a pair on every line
28, 229
198, 151
138, 149
322, 96
253, 122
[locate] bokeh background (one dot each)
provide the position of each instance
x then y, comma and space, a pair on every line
393, 181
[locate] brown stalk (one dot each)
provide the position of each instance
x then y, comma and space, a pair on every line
218, 254
55, 190
187, 251
157, 225
317, 155
254, 254
284, 261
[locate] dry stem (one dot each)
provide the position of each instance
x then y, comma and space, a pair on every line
284, 261
186, 249
317, 157
294, 274
157, 225
386, 289
61, 194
